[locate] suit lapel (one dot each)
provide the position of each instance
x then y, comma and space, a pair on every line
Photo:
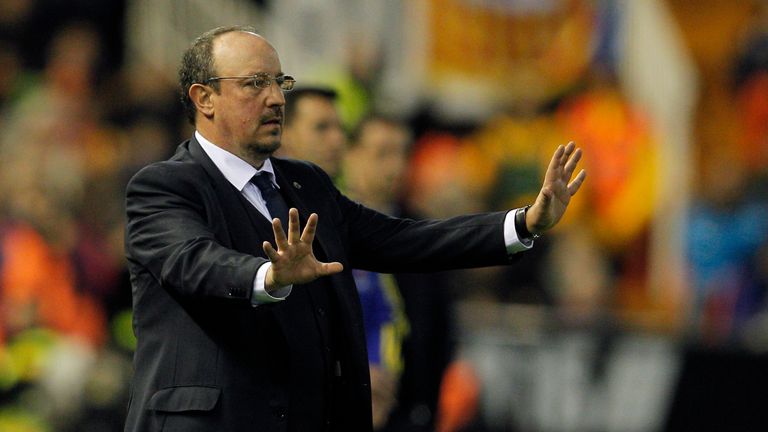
288, 187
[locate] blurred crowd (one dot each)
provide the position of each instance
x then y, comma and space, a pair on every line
75, 126
76, 121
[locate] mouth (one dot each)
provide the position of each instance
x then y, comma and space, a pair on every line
277, 121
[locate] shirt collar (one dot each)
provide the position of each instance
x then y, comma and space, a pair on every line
235, 170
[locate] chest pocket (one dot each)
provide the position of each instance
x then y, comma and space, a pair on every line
187, 398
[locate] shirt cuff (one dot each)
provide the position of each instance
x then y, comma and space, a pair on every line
513, 241
260, 295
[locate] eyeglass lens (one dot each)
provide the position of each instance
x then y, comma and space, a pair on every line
264, 81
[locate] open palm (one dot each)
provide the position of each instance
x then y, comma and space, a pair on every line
557, 190
294, 262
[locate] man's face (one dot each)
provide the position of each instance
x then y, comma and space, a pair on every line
248, 120
380, 158
315, 133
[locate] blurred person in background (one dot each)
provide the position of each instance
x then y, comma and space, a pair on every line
726, 232
406, 315
373, 172
727, 228
234, 333
313, 129
750, 79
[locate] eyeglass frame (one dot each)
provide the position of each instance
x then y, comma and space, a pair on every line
282, 79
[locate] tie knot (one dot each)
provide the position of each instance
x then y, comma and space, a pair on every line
263, 181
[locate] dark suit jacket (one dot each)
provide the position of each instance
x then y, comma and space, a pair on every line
206, 359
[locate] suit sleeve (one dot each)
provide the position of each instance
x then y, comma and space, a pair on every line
170, 233
386, 244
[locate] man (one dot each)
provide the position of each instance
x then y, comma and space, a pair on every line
406, 315
313, 129
241, 326
376, 160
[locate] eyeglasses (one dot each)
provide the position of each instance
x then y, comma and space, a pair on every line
263, 80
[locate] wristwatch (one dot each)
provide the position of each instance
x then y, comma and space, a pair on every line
520, 226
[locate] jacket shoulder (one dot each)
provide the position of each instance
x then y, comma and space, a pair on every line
170, 171
180, 169
294, 164
304, 169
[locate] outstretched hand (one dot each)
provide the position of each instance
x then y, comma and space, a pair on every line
556, 192
294, 262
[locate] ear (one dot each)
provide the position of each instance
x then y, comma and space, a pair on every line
201, 96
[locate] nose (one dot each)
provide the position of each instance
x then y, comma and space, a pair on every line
275, 97
338, 137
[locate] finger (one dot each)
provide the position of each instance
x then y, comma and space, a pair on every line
570, 167
270, 251
569, 148
280, 239
327, 269
308, 236
554, 163
293, 225
567, 151
574, 186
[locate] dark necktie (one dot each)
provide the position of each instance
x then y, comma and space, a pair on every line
275, 202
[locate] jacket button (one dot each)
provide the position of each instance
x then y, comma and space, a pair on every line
321, 311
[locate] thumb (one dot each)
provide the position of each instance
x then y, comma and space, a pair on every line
327, 269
